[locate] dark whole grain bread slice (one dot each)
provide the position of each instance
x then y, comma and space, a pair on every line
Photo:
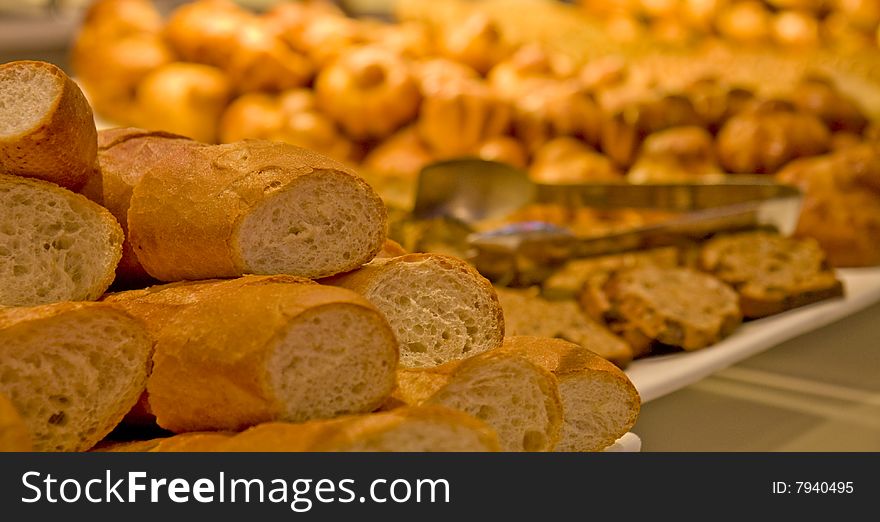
679, 307
770, 272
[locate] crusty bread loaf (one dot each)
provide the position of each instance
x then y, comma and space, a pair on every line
275, 351
72, 370
599, 403
124, 156
770, 272
527, 313
14, 434
413, 429
54, 245
253, 207
47, 129
674, 306
391, 248
440, 307
517, 398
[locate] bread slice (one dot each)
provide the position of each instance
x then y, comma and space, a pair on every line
253, 207
14, 434
770, 272
265, 352
72, 370
680, 307
54, 245
440, 307
124, 156
567, 282
47, 129
517, 398
599, 403
527, 313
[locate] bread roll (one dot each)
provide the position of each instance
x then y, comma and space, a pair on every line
253, 207
475, 41
47, 130
770, 272
14, 434
124, 156
54, 245
391, 248
599, 403
262, 61
503, 149
207, 31
527, 313
275, 351
676, 154
440, 307
517, 398
569, 160
72, 370
403, 155
183, 98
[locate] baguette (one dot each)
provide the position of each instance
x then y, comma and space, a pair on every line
440, 307
770, 273
253, 207
517, 398
527, 313
14, 434
256, 353
47, 130
72, 370
124, 156
599, 403
54, 245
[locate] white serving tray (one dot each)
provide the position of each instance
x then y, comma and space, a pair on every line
660, 375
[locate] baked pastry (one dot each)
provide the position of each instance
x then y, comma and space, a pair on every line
676, 154
527, 313
55, 245
678, 307
569, 160
14, 434
556, 108
433, 74
747, 21
517, 398
72, 370
207, 31
369, 91
253, 115
262, 61
530, 63
402, 155
183, 98
603, 73
841, 208
625, 127
253, 353
599, 403
253, 207
795, 28
440, 307
818, 95
715, 102
767, 137
457, 116
47, 130
503, 149
323, 35
770, 272
475, 41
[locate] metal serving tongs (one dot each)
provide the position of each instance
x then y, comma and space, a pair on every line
473, 190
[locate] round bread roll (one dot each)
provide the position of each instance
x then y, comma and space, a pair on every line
503, 149
262, 61
679, 153
369, 91
476, 41
253, 207
253, 115
72, 370
55, 245
818, 95
47, 130
553, 109
569, 160
515, 76
440, 307
403, 155
207, 31
183, 98
276, 351
14, 434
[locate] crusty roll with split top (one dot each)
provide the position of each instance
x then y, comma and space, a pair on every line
253, 207
440, 307
47, 130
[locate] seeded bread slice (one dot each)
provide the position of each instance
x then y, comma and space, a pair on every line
770, 272
678, 307
527, 313
55, 245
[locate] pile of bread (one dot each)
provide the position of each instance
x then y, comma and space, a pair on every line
394, 97
286, 321
848, 24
